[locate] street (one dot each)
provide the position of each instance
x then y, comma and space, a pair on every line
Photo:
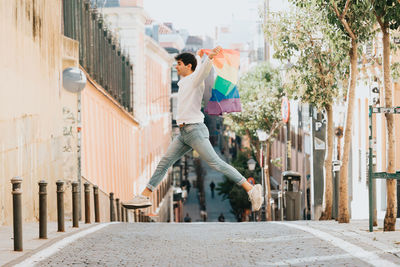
231, 244
214, 206
103, 101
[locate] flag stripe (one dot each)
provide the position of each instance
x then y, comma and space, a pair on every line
228, 73
223, 86
226, 105
225, 96
217, 96
227, 56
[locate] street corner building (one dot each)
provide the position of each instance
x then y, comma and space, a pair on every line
111, 134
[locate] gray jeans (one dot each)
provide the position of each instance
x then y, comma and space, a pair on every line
193, 136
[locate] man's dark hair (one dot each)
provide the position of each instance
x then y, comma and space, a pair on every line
187, 58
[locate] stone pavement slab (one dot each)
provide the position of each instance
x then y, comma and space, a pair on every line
31, 241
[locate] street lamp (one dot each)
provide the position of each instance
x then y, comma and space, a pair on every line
262, 137
251, 164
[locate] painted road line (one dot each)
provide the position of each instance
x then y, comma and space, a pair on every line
306, 260
315, 259
47, 252
272, 239
355, 251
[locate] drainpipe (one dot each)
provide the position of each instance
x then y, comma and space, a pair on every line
79, 137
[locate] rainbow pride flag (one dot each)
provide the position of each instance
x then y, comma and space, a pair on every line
225, 95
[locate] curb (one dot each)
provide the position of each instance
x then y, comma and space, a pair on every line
53, 246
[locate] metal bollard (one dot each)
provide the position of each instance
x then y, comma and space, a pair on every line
112, 212
17, 212
87, 202
42, 209
118, 210
96, 203
122, 214
75, 204
60, 206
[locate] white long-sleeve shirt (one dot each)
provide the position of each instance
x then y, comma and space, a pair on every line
190, 94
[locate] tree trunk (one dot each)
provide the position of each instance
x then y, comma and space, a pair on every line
327, 214
343, 216
267, 182
391, 211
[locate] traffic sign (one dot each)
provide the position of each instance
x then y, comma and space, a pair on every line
251, 180
285, 109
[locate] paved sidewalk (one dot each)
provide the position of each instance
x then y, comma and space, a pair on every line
31, 241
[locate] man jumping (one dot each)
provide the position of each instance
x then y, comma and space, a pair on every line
193, 132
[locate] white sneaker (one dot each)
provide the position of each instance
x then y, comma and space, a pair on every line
138, 202
256, 197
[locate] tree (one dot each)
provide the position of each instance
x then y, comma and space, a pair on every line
387, 14
238, 198
317, 64
261, 92
355, 20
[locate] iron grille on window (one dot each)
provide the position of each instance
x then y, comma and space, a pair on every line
99, 51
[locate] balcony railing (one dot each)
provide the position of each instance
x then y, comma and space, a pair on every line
99, 50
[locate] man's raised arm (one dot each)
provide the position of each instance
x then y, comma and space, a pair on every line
202, 71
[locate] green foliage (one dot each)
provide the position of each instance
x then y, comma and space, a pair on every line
388, 16
388, 11
260, 92
395, 71
238, 197
316, 52
358, 16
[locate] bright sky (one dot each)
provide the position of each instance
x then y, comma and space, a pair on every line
201, 17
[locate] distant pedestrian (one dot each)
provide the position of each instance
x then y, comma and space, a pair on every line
187, 218
184, 194
188, 185
212, 187
221, 217
193, 133
203, 215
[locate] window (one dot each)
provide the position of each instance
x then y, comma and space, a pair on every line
174, 75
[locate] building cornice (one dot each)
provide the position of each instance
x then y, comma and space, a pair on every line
133, 12
154, 46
